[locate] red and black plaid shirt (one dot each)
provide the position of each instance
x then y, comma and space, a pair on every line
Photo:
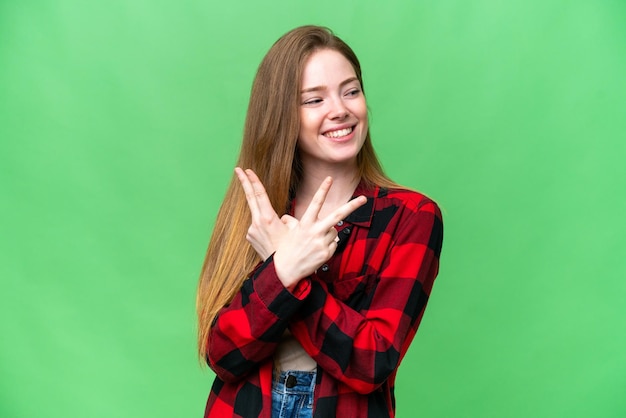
355, 317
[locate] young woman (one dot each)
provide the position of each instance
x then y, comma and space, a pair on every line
314, 285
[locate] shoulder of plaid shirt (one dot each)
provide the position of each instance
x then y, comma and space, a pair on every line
356, 316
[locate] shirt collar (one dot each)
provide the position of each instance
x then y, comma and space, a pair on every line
362, 216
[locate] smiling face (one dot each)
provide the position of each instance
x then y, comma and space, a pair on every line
333, 112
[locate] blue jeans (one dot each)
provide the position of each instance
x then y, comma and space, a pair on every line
292, 394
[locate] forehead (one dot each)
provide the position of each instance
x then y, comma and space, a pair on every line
326, 67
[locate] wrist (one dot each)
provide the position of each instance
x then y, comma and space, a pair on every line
286, 273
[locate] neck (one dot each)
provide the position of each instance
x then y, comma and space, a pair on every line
345, 180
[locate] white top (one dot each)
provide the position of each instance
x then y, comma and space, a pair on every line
290, 355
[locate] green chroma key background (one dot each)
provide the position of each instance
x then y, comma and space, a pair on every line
120, 122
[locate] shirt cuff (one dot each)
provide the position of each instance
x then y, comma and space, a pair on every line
274, 295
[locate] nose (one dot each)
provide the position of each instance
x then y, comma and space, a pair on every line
338, 110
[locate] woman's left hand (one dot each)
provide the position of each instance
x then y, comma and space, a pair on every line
266, 229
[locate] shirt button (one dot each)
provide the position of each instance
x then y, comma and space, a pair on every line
339, 223
346, 231
325, 268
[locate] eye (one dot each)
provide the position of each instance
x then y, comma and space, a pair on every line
312, 101
353, 92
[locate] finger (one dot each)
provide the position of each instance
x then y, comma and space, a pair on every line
331, 234
260, 193
344, 210
248, 190
313, 210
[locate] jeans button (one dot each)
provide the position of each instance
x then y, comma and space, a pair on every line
325, 268
291, 381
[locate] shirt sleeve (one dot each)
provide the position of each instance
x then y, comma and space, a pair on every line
362, 348
247, 331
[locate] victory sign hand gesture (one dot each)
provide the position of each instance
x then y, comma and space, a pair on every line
300, 246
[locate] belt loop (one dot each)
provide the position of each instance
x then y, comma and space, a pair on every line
312, 389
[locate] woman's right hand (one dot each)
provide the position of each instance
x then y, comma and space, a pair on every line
310, 242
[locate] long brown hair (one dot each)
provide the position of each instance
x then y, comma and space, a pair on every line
269, 148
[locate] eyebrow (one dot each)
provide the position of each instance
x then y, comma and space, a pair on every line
318, 88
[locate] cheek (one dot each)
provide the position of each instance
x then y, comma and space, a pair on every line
363, 118
308, 124
360, 111
364, 110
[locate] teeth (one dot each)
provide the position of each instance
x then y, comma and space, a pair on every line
339, 133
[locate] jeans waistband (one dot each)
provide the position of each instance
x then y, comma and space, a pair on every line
294, 382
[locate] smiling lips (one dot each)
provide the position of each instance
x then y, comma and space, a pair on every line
339, 133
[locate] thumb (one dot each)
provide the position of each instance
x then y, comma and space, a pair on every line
288, 220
